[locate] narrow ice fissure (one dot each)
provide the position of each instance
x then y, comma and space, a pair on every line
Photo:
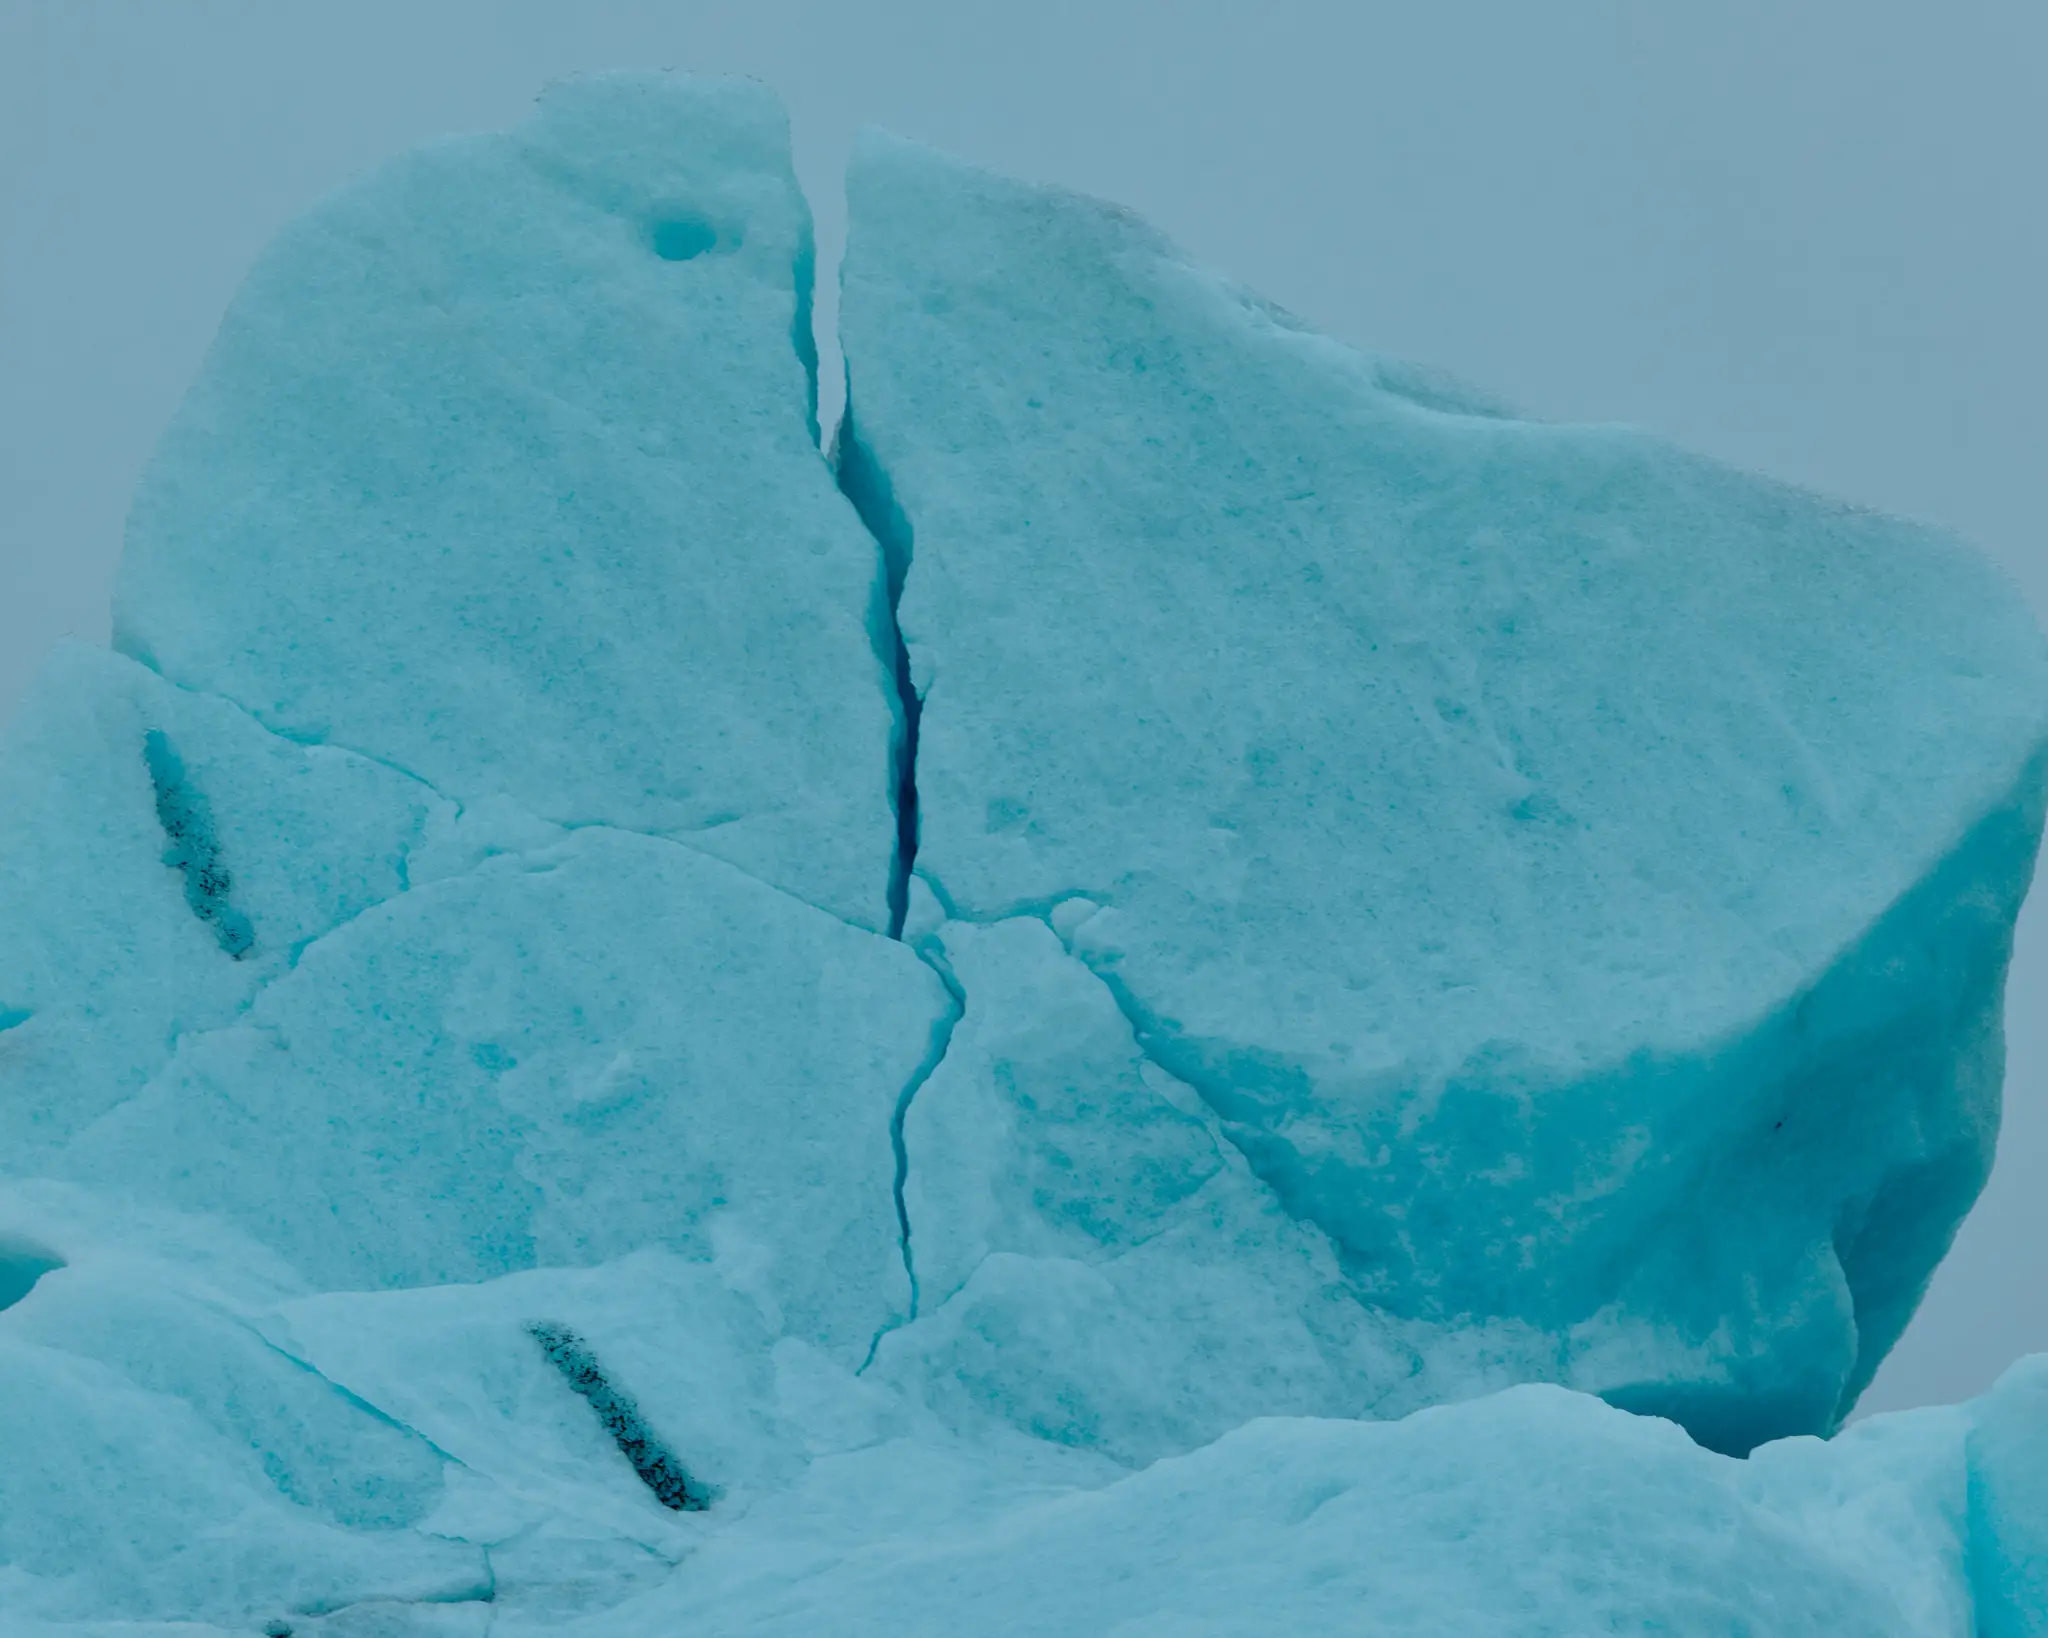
905, 787
399, 1605
803, 334
1157, 1047
867, 489
935, 1054
347, 1395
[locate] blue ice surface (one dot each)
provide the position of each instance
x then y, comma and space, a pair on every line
502, 470
1579, 875
1163, 996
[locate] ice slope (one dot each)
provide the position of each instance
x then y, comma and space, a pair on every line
122, 937
512, 1044
450, 1186
1580, 875
1532, 1514
1096, 1264
502, 470
161, 1459
555, 1058
187, 1439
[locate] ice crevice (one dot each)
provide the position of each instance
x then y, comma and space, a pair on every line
867, 490
354, 1400
935, 1054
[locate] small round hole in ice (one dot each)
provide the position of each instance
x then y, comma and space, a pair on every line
22, 1263
682, 237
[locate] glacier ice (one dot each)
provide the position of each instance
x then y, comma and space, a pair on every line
555, 1058
1094, 1262
1530, 1512
106, 962
1115, 1006
501, 470
160, 1459
2008, 1500
1580, 875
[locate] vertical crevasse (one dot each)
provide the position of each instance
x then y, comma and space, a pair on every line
866, 486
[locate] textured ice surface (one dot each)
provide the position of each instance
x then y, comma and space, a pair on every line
1579, 873
502, 470
189, 1437
119, 938
556, 1058
1409, 902
1535, 1512
163, 1460
1096, 1263
2009, 1503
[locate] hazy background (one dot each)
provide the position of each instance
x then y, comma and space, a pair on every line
1809, 236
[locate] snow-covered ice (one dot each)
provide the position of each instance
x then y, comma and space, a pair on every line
1162, 995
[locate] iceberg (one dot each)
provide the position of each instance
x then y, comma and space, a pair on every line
1579, 875
1191, 983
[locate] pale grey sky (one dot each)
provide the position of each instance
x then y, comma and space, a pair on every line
1804, 235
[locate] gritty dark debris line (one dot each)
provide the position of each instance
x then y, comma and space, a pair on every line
658, 1466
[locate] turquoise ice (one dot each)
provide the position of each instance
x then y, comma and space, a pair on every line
1194, 984
502, 470
1580, 875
